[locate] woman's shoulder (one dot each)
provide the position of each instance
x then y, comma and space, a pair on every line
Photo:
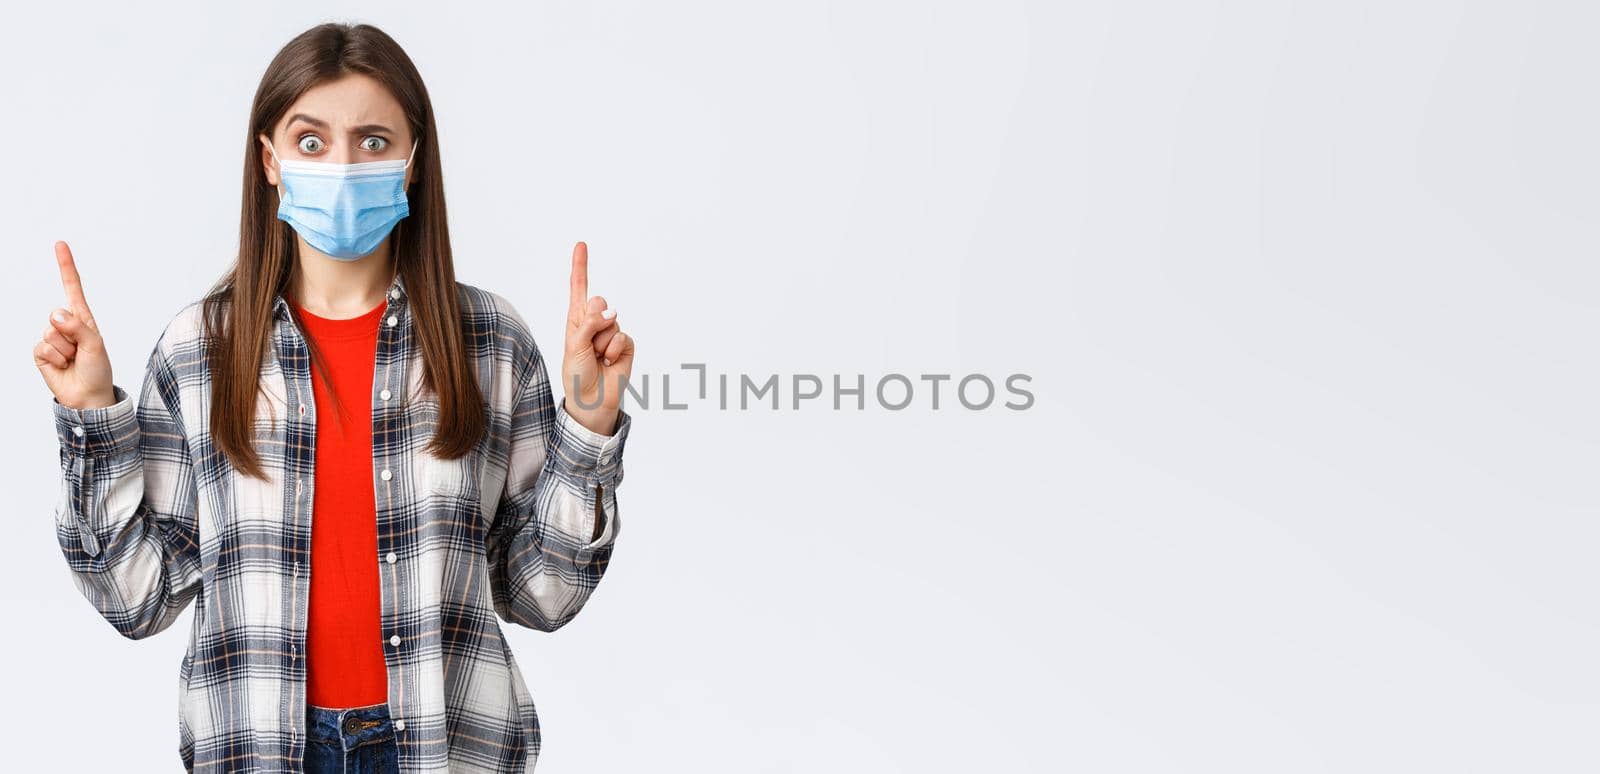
491, 312
183, 335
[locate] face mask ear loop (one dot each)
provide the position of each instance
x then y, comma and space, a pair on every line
413, 153
279, 163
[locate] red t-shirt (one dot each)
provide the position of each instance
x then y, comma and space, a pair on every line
344, 639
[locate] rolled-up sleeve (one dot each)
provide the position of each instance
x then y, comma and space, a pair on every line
547, 551
126, 517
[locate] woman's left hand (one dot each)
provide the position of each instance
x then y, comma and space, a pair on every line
598, 356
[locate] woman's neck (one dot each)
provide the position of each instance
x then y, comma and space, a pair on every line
328, 287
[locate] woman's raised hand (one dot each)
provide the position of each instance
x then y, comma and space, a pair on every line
71, 354
597, 352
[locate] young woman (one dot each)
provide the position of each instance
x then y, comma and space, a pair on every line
352, 460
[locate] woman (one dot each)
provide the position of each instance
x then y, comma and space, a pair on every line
353, 461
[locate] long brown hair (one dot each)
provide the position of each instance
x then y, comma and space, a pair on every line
239, 307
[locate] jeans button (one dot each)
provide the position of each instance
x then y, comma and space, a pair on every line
352, 725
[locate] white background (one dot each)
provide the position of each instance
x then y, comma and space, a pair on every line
1307, 292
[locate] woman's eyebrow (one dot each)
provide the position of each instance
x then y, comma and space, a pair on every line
323, 125
308, 119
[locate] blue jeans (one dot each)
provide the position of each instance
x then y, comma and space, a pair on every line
353, 740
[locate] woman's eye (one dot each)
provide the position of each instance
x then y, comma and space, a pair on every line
310, 144
374, 143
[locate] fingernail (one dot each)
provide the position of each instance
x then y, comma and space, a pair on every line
58, 316
608, 314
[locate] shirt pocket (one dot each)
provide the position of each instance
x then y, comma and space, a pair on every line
436, 477
272, 407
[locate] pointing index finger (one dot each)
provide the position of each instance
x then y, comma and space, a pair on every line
580, 280
70, 281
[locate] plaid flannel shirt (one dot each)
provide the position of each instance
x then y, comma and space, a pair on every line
152, 516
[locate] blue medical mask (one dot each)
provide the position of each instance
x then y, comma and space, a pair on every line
343, 210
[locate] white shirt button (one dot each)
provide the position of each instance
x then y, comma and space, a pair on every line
391, 558
78, 431
385, 475
394, 293
385, 394
395, 640
399, 725
392, 321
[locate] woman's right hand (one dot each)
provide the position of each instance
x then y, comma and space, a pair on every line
71, 354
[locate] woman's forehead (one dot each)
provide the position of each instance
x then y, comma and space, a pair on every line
352, 100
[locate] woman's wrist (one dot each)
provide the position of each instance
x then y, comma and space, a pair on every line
100, 400
599, 420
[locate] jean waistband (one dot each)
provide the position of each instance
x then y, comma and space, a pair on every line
350, 727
